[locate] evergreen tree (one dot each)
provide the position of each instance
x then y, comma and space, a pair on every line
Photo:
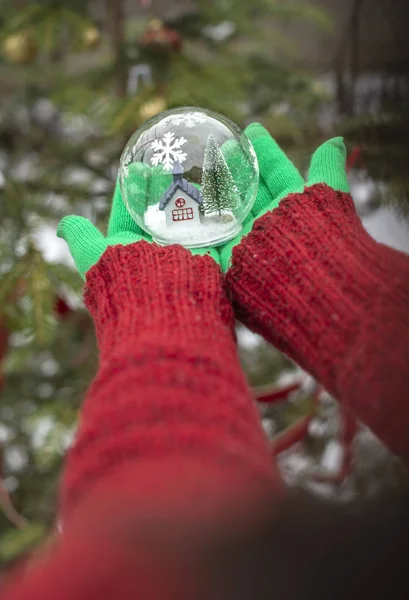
219, 191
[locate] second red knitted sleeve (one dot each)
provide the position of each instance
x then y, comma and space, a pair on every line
313, 282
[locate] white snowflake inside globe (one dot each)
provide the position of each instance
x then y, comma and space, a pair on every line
189, 176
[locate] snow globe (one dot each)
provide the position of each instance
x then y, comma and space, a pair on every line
189, 176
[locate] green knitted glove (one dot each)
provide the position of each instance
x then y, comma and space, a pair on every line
87, 243
279, 177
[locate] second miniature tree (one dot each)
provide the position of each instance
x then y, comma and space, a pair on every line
220, 193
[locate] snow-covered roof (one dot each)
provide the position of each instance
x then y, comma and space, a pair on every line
179, 183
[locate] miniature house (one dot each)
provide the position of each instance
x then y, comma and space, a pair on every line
181, 201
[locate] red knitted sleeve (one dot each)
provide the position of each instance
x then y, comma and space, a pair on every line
169, 411
316, 285
169, 432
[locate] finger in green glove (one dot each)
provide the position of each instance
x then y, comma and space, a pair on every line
279, 177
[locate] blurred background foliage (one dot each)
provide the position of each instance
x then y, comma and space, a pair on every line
77, 78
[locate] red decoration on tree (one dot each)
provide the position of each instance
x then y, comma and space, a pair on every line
61, 308
272, 395
160, 36
290, 436
353, 158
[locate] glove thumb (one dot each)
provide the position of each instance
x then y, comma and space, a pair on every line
328, 165
85, 241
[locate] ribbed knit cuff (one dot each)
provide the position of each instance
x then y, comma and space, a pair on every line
308, 277
143, 289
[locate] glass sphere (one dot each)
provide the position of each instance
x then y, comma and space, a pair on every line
189, 176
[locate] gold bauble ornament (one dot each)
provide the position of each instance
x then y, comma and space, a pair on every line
155, 24
20, 48
152, 107
92, 37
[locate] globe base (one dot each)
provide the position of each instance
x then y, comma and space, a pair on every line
200, 241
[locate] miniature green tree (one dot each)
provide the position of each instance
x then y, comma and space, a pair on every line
220, 193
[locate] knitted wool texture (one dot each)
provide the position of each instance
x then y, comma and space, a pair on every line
169, 417
313, 282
